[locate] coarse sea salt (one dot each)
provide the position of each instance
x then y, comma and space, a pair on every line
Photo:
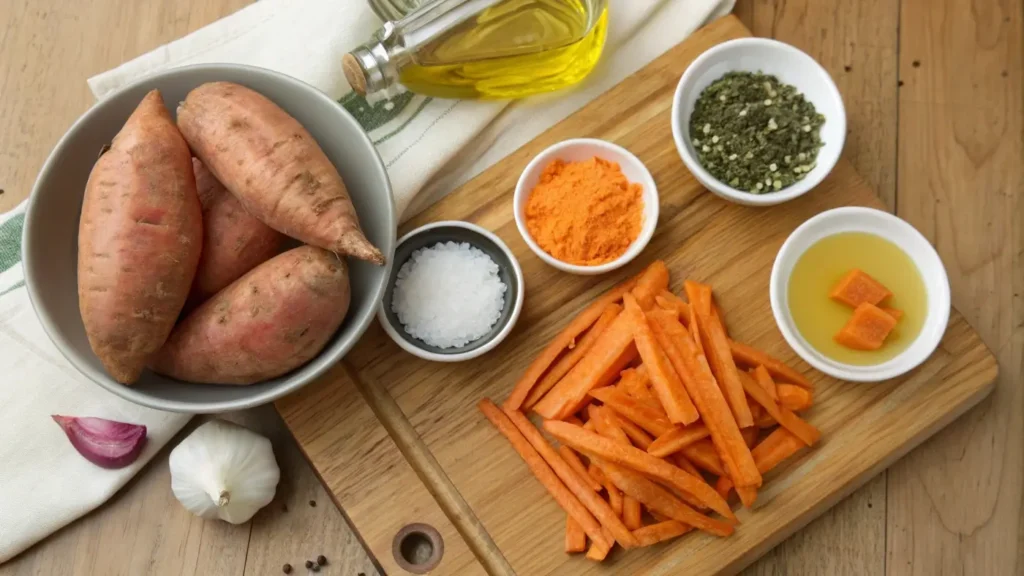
448, 295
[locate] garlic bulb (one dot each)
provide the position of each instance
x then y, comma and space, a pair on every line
224, 471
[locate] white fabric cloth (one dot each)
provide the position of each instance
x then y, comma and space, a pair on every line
44, 482
430, 146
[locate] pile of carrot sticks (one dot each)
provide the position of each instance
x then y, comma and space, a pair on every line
659, 414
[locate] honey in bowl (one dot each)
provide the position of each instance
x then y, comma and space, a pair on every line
819, 318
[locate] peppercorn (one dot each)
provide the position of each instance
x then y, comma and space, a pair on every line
321, 560
287, 568
309, 564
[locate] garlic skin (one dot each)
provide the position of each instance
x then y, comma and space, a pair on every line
225, 471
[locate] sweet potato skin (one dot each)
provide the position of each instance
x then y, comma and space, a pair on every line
270, 321
234, 241
273, 166
139, 240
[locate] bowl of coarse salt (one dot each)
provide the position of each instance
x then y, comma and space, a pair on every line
455, 292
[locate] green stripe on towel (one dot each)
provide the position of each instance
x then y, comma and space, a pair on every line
13, 288
10, 242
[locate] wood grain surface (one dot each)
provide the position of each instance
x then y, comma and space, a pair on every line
953, 139
866, 427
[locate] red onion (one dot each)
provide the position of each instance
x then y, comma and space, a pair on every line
105, 443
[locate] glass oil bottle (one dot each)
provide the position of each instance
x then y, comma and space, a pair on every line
492, 49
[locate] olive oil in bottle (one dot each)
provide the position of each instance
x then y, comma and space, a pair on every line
494, 49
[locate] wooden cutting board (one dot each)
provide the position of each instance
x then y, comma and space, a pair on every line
398, 440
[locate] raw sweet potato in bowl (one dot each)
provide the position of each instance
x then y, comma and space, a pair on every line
268, 322
139, 240
234, 241
50, 248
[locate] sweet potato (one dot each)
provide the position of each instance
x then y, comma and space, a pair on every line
273, 166
234, 242
270, 321
139, 240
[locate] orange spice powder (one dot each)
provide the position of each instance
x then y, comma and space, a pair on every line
585, 213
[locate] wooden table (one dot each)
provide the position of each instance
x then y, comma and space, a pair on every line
934, 96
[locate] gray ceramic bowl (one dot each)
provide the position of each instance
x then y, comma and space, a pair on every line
509, 272
51, 230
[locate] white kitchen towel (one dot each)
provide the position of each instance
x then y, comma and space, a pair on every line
429, 145
44, 482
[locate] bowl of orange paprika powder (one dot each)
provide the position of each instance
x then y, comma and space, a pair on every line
586, 206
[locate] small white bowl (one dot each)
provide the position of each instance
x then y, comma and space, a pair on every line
576, 150
893, 229
508, 269
791, 66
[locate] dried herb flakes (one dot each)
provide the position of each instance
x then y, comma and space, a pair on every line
755, 133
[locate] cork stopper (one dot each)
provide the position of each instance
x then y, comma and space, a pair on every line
354, 74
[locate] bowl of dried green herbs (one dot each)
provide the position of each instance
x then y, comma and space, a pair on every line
757, 121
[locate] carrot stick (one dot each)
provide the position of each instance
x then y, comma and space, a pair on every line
634, 382
748, 495
778, 446
695, 331
569, 502
751, 357
658, 517
676, 439
652, 282
563, 340
785, 417
637, 436
574, 462
750, 436
765, 380
571, 358
704, 456
660, 532
722, 486
633, 410
673, 303
610, 346
590, 426
607, 426
596, 473
643, 442
794, 397
664, 380
632, 512
756, 412
600, 509
716, 348
636, 459
575, 537
685, 464
574, 420
710, 400
598, 551
699, 295
608, 378
614, 497
661, 500
680, 460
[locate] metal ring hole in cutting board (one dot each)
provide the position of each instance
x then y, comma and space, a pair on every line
431, 237
418, 548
